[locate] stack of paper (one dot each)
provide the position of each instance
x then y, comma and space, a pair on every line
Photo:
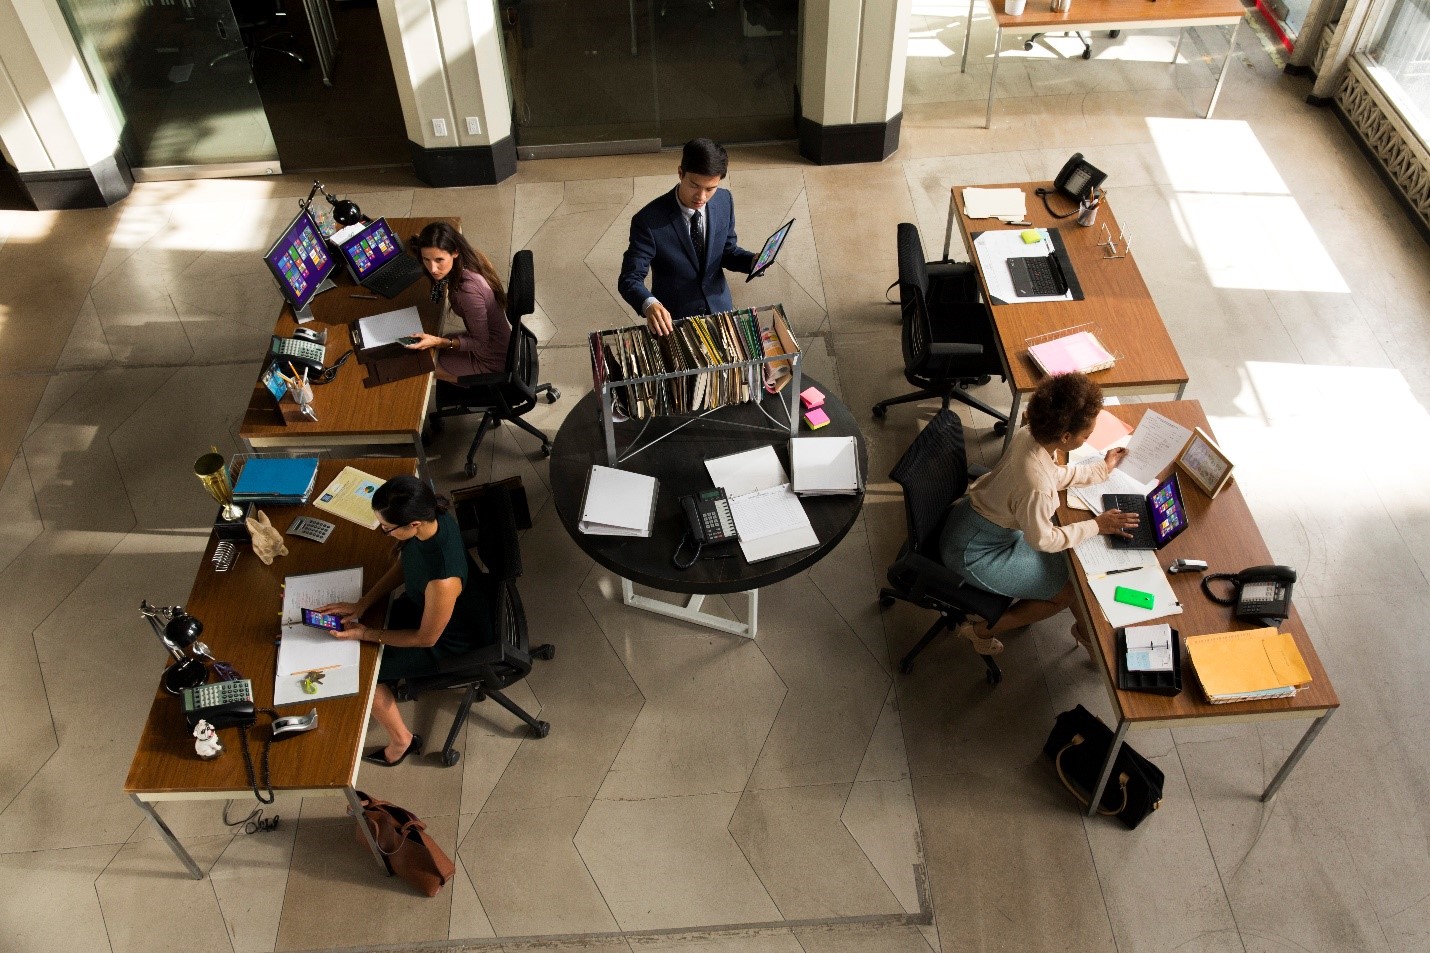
350, 496
1248, 665
382, 330
1108, 568
1010, 205
302, 649
1075, 352
825, 465
280, 481
768, 515
618, 503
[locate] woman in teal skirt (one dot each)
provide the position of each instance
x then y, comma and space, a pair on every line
1002, 536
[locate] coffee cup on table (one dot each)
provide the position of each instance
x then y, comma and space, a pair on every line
1014, 8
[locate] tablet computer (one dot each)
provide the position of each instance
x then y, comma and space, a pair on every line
766, 257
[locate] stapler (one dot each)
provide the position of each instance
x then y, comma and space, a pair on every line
291, 725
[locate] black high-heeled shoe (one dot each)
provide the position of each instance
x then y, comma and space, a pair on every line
377, 755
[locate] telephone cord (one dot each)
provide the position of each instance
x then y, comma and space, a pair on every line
1044, 193
248, 760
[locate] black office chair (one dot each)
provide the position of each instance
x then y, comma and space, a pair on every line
512, 393
488, 516
254, 17
1086, 40
948, 336
934, 475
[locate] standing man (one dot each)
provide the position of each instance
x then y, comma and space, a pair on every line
688, 235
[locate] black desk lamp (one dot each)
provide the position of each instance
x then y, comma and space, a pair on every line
345, 212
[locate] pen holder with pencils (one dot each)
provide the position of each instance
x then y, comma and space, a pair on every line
1087, 209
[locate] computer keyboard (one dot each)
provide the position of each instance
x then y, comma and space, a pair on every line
1143, 537
1037, 277
394, 277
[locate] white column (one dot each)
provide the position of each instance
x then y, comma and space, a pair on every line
852, 78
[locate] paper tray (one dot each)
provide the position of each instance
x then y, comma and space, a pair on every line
1154, 683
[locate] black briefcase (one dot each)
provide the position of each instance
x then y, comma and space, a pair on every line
1078, 747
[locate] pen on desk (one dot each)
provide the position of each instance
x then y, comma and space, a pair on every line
368, 297
1114, 572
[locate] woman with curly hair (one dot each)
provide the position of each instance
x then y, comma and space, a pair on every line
1002, 537
470, 283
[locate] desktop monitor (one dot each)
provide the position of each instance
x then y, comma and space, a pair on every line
301, 264
372, 247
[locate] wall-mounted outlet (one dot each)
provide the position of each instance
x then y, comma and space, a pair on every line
439, 127
474, 126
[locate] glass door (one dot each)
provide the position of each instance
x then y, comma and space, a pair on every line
178, 77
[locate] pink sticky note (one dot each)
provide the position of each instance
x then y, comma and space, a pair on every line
816, 418
812, 398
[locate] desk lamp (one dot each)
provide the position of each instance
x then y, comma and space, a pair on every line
345, 212
176, 631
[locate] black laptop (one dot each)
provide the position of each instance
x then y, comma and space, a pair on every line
1161, 515
377, 261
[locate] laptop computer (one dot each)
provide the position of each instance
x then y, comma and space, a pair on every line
767, 254
377, 261
1161, 515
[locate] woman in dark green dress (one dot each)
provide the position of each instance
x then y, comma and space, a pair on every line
444, 612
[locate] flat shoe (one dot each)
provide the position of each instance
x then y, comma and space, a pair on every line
376, 756
1078, 637
988, 646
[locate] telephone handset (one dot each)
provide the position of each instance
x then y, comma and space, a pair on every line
708, 521
229, 704
1259, 594
1077, 179
305, 350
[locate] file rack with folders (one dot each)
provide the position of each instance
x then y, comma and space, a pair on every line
707, 362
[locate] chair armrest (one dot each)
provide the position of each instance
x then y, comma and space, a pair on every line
481, 380
948, 268
955, 349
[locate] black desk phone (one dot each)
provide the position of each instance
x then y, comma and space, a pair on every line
305, 350
1259, 594
708, 513
221, 704
1077, 180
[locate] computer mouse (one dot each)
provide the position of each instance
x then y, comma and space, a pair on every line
291, 725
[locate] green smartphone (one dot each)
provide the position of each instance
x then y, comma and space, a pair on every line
1133, 597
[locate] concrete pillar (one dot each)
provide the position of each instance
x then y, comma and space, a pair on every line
59, 138
447, 59
852, 55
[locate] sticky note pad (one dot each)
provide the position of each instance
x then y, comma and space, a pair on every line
811, 398
1031, 236
816, 418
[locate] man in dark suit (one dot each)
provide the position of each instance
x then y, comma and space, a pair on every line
688, 237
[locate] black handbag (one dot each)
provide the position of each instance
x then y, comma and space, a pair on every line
1078, 748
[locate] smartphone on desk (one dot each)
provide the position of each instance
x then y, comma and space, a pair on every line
322, 620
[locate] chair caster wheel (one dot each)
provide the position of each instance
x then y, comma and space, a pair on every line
450, 758
547, 651
886, 601
1000, 428
879, 412
993, 678
1087, 54
906, 666
1114, 34
1027, 45
553, 395
470, 470
546, 449
542, 729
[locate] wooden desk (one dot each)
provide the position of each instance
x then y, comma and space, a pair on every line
240, 610
1095, 15
1117, 305
349, 413
1222, 532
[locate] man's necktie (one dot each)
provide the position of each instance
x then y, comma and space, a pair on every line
697, 238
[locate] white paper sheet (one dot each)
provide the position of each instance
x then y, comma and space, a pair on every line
1148, 578
1097, 557
379, 330
994, 248
618, 503
824, 464
1116, 482
303, 649
1155, 444
1007, 204
747, 472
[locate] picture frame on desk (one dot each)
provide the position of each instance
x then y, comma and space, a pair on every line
1204, 463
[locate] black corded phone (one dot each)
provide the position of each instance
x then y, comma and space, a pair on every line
229, 704
708, 521
1077, 179
305, 350
1259, 594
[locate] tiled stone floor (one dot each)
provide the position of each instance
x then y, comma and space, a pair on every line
700, 792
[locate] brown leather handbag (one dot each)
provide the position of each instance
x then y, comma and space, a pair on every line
407, 849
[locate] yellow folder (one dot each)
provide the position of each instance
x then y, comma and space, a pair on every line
1255, 660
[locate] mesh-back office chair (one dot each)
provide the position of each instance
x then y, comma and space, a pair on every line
486, 670
255, 18
1086, 40
934, 475
510, 394
948, 336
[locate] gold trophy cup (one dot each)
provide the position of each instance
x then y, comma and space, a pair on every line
213, 474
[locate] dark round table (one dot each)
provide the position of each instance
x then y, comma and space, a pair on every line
678, 462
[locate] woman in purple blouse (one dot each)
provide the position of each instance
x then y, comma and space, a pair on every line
470, 283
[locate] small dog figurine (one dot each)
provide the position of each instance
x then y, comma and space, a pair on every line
206, 743
267, 541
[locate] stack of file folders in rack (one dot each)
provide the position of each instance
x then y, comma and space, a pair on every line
706, 362
276, 481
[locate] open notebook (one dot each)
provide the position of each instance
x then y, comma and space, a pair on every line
768, 515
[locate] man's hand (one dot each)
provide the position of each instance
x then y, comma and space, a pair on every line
657, 319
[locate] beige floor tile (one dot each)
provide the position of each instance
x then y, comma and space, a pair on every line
250, 880
885, 758
468, 919
86, 346
597, 944
742, 941
534, 204
333, 871
883, 820
520, 860
19, 512
862, 939
150, 904
671, 862
844, 578
49, 900
811, 864
491, 740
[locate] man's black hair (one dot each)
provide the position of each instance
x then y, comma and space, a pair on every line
704, 157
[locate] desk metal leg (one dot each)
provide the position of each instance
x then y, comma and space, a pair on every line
420, 453
948, 228
1296, 754
691, 612
169, 837
1181, 389
1012, 418
355, 805
1226, 61
993, 79
967, 36
1106, 773
1177, 50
